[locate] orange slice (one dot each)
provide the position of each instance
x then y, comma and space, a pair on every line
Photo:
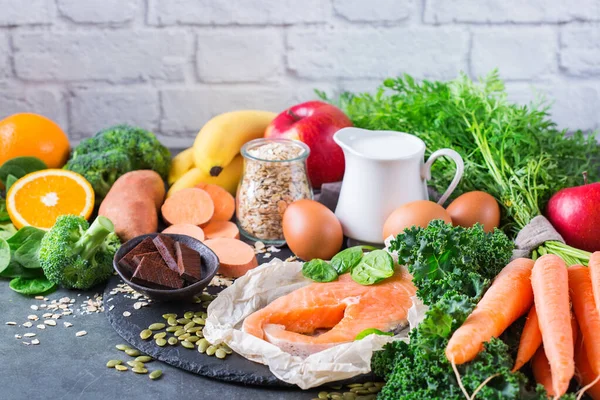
37, 199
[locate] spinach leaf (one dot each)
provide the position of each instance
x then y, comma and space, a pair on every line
374, 267
10, 180
4, 255
347, 259
319, 271
18, 167
4, 217
31, 286
15, 270
7, 230
25, 245
372, 331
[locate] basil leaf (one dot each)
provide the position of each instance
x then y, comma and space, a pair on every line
319, 271
347, 259
19, 167
31, 286
4, 255
374, 267
372, 331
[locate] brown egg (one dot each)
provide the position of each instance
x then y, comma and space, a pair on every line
416, 213
473, 207
312, 230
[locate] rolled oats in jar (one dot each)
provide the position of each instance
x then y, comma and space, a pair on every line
274, 177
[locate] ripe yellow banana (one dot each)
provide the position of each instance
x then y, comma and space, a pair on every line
221, 139
181, 164
227, 179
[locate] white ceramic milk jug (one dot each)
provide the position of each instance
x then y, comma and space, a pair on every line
384, 170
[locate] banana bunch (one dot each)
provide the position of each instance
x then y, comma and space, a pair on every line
215, 156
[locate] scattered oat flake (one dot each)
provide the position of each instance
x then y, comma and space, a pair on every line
273, 249
55, 316
67, 324
29, 334
41, 326
11, 323
35, 341
47, 315
34, 307
17, 336
81, 333
26, 343
43, 305
259, 245
267, 255
33, 317
291, 259
111, 308
27, 324
126, 313
39, 297
50, 322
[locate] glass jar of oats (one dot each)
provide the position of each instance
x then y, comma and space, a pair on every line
274, 177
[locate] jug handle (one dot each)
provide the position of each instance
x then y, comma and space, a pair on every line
460, 168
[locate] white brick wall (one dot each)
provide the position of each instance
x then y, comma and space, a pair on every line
170, 65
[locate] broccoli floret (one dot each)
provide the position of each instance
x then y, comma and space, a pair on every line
75, 255
113, 152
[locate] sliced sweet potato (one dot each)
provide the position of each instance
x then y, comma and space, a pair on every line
188, 206
187, 229
222, 199
221, 229
235, 257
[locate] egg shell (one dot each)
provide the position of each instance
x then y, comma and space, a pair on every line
312, 230
416, 213
475, 207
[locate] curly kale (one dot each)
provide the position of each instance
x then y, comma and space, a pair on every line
102, 159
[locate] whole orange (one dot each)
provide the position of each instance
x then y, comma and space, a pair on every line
28, 134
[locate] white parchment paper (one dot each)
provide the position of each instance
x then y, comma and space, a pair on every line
259, 287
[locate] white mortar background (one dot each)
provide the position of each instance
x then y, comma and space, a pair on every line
170, 65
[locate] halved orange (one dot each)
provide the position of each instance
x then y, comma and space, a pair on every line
40, 197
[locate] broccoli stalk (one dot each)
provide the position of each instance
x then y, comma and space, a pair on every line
75, 255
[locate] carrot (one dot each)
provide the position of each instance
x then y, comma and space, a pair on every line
133, 202
509, 297
221, 229
531, 340
585, 374
541, 371
584, 307
186, 229
188, 206
235, 257
223, 200
549, 279
594, 266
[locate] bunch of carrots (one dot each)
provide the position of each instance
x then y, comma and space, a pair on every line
561, 336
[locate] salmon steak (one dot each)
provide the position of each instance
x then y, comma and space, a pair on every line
321, 315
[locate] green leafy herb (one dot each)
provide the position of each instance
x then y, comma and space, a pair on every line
4, 255
7, 230
319, 271
347, 259
372, 331
373, 267
25, 246
31, 286
18, 167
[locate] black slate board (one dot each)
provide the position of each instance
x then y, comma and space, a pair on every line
234, 368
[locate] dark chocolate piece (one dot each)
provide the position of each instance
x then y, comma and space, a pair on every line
189, 263
156, 273
166, 247
154, 256
145, 246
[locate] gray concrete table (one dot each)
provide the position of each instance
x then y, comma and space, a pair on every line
63, 366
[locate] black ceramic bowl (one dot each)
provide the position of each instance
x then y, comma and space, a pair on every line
210, 265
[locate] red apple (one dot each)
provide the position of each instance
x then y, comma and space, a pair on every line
314, 123
575, 214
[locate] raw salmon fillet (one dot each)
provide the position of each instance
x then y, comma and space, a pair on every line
343, 308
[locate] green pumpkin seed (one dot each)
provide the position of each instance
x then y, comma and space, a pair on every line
183, 321
121, 368
335, 394
170, 315
349, 395
220, 353
206, 297
362, 391
205, 304
198, 314
188, 315
179, 332
211, 350
172, 321
193, 339
323, 395
113, 363
198, 320
133, 352
157, 326
203, 345
173, 341
367, 385
135, 364
144, 359
189, 325
187, 345
200, 334
172, 329
374, 389
197, 300
355, 385
161, 342
194, 329
122, 347
335, 397
160, 335
184, 336
145, 334
156, 374
140, 370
